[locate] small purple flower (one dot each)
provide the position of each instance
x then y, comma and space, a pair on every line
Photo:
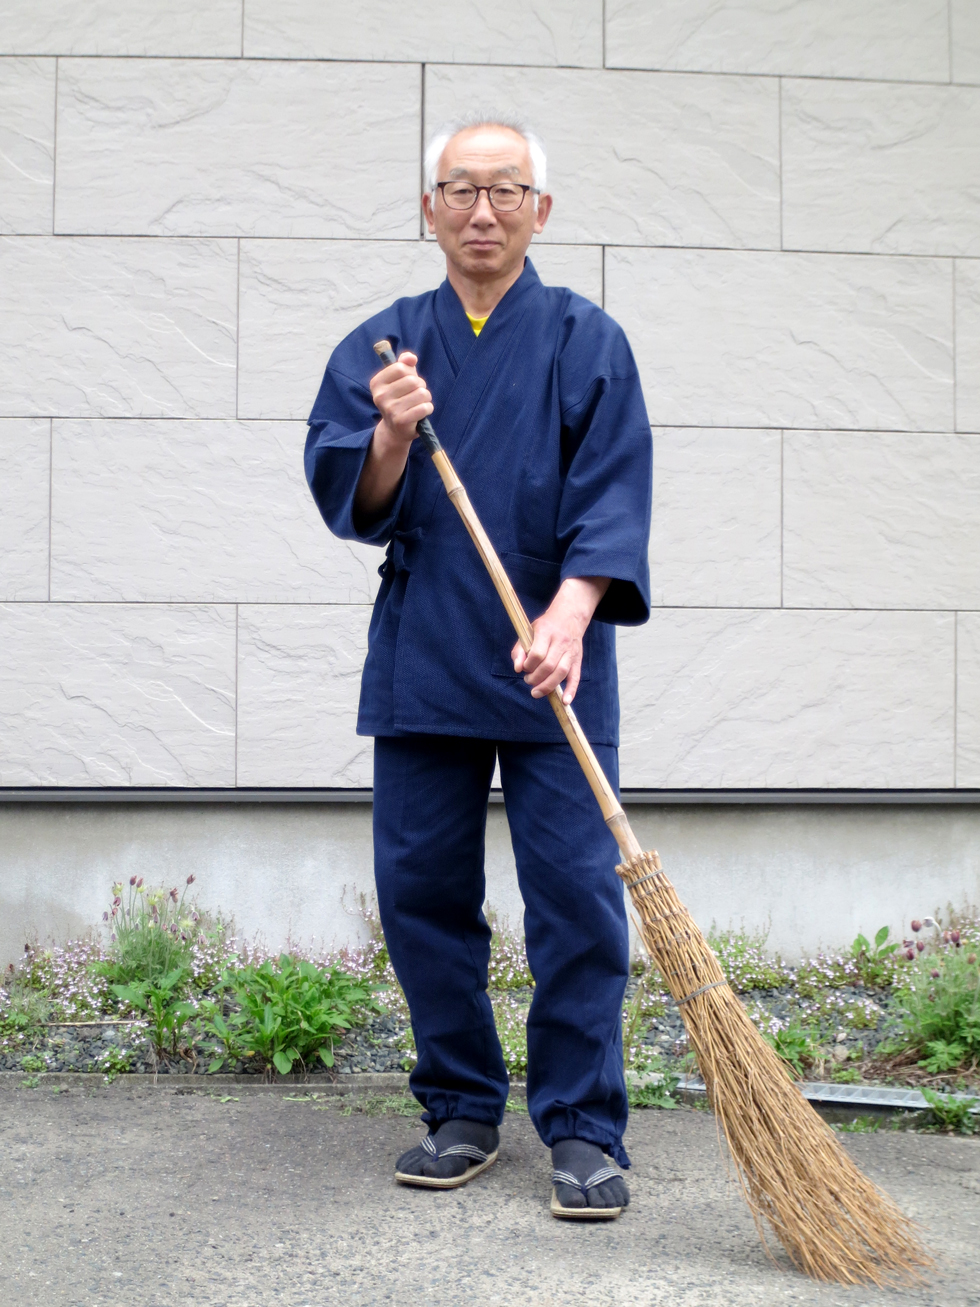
910, 954
132, 880
920, 946
934, 973
916, 926
191, 879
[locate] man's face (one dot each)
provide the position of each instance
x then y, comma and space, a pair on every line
482, 242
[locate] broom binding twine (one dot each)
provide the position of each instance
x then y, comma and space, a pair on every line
792, 1169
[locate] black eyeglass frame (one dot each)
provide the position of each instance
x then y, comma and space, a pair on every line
459, 181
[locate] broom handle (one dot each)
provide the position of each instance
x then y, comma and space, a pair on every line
612, 809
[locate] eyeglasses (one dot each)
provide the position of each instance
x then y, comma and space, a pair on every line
505, 197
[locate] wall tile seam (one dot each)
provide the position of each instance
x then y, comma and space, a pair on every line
288, 419
368, 603
204, 236
651, 70
233, 60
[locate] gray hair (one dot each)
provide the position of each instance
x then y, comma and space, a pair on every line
485, 118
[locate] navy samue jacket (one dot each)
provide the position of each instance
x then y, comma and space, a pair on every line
543, 418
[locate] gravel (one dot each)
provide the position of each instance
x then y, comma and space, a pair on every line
380, 1045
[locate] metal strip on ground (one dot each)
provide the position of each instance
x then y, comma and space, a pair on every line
886, 1097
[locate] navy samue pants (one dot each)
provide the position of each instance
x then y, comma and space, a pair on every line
430, 811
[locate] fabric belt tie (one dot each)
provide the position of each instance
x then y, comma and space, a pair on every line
402, 552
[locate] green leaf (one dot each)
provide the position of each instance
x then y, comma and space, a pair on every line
881, 936
282, 1062
326, 1055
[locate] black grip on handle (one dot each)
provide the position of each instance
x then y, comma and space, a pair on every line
427, 435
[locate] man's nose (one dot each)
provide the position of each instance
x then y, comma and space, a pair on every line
483, 210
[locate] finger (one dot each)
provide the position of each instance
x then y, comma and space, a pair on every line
403, 388
552, 681
571, 681
393, 372
517, 657
538, 651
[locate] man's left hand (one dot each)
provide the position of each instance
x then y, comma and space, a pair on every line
556, 653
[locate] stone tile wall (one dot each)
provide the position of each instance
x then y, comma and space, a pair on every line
781, 205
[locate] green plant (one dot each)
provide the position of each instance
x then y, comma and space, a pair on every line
287, 1012
114, 1062
510, 1018
949, 1114
381, 1105
861, 1125
508, 967
939, 1000
23, 1011
163, 1005
846, 1075
33, 1063
153, 932
875, 962
653, 1089
643, 1008
745, 962
796, 1044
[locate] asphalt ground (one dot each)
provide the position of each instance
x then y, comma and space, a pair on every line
169, 1196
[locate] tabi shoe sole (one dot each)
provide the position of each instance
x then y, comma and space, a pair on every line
452, 1182
582, 1213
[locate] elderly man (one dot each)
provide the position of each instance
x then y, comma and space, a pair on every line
534, 393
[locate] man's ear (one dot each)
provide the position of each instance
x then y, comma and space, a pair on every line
427, 210
545, 202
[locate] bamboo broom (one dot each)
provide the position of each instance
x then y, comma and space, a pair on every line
833, 1222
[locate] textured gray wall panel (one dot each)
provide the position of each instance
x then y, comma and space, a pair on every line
117, 328
968, 699
717, 699
639, 158
24, 460
894, 39
237, 148
716, 503
113, 694
565, 32
26, 144
130, 27
967, 345
965, 40
194, 512
887, 169
739, 339
299, 675
875, 520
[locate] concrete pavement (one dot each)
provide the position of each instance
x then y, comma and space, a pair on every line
134, 1194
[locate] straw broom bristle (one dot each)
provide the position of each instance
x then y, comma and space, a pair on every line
833, 1222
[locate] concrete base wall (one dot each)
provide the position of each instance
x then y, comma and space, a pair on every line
812, 876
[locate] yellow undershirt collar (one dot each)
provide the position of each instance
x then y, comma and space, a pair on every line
477, 323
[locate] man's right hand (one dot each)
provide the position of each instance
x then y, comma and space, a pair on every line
401, 397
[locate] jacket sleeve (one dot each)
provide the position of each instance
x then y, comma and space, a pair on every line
340, 429
604, 513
